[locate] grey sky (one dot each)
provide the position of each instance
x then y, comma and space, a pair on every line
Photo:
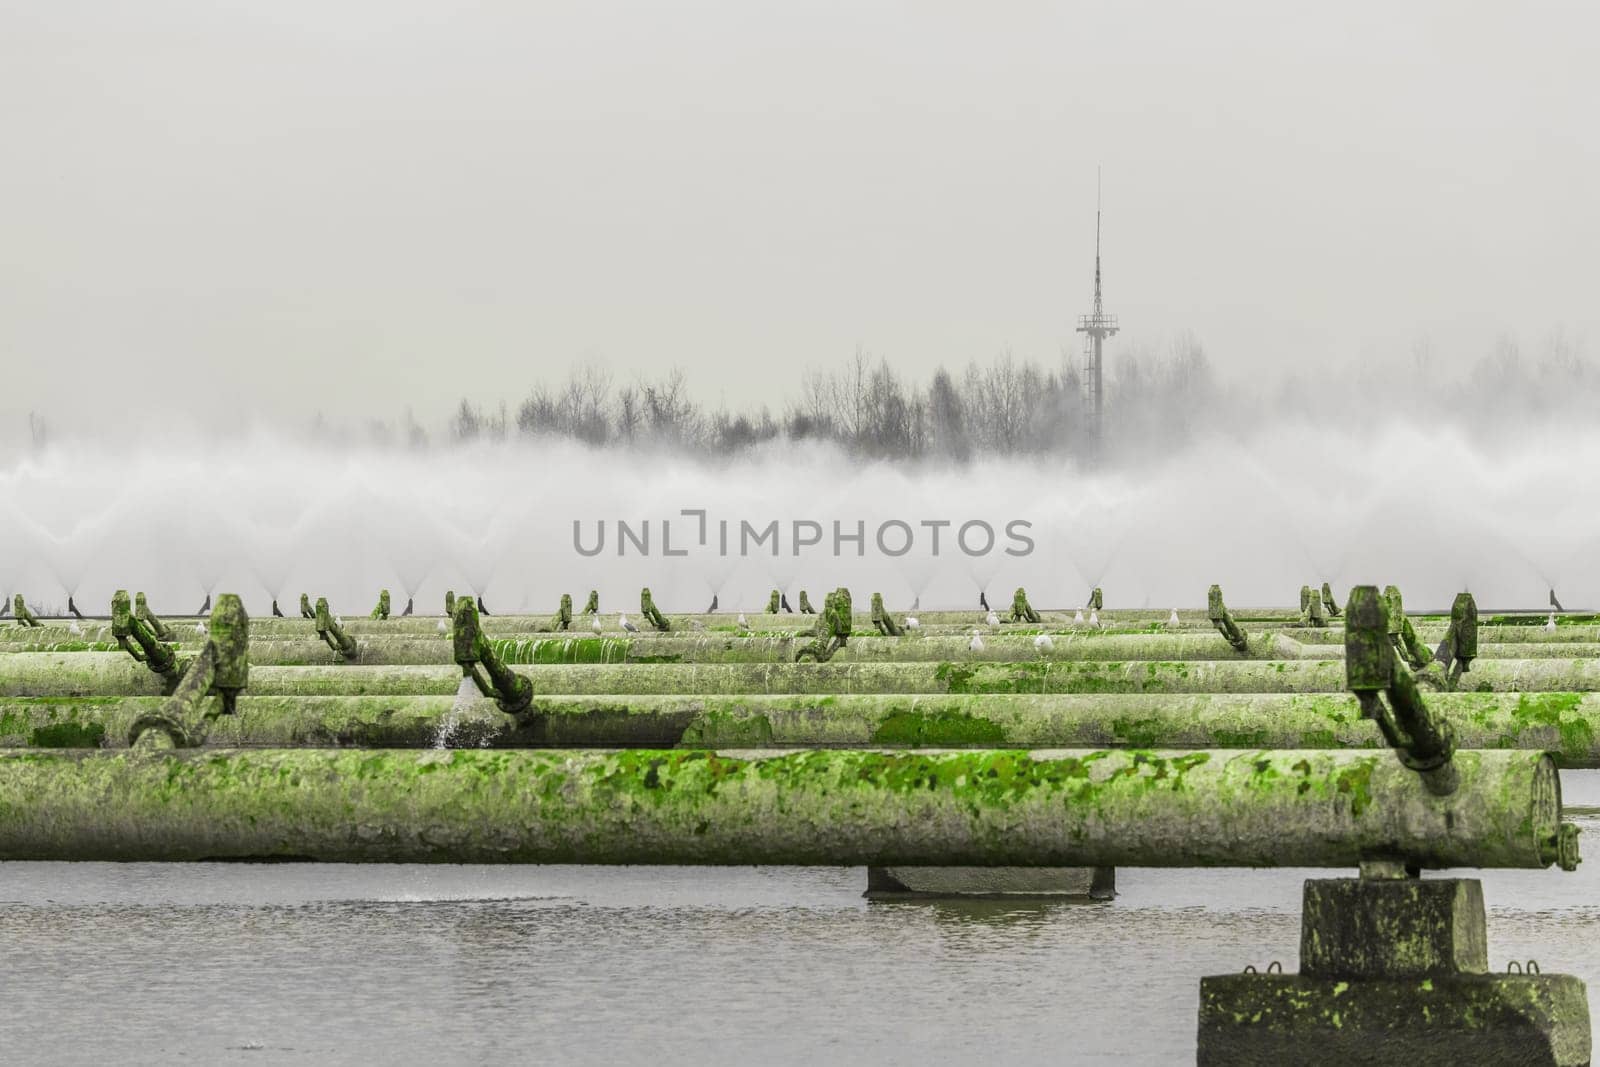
360, 206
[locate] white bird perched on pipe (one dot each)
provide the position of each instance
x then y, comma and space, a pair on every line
992, 619
622, 621
1094, 619
1078, 617
595, 625
74, 628
1172, 620
743, 623
1550, 624
200, 628
444, 627
911, 623
1043, 644
976, 644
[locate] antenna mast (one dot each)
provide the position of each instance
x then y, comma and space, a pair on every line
1096, 328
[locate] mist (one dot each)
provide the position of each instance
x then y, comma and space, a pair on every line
1263, 509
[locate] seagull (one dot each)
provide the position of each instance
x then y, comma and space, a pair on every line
992, 619
622, 621
74, 628
1078, 617
713, 606
1094, 619
743, 625
1043, 644
595, 625
912, 623
444, 627
1550, 624
1172, 620
200, 628
976, 644
983, 601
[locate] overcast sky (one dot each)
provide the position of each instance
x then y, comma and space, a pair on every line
360, 206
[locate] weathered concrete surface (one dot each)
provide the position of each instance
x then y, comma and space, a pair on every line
826, 807
688, 647
1360, 928
1054, 621
1088, 883
1564, 724
1416, 1022
108, 674
1393, 970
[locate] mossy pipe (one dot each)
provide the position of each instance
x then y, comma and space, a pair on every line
104, 674
141, 608
331, 631
932, 621
688, 645
1565, 724
1224, 808
23, 615
479, 662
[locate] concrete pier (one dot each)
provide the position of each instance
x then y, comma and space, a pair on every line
1086, 883
1393, 971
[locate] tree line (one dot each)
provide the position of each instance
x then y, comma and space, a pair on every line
1156, 399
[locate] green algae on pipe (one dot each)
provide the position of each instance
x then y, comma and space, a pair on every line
1564, 724
819, 807
738, 648
103, 674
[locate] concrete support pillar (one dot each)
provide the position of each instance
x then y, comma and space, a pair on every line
1393, 970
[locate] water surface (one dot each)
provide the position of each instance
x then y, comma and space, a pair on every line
312, 963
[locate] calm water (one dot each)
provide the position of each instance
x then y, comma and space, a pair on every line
309, 963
